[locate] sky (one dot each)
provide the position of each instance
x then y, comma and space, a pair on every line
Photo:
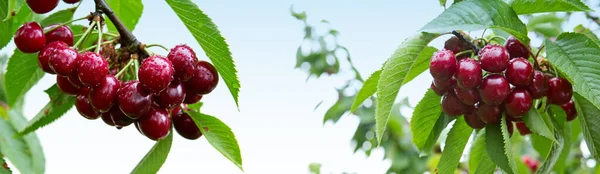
276, 126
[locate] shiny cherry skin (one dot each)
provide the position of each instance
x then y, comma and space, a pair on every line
437, 90
539, 85
494, 58
172, 96
62, 33
46, 51
443, 65
184, 61
91, 69
64, 61
42, 6
519, 72
494, 89
445, 85
66, 86
156, 73
488, 114
523, 129
467, 96
205, 79
468, 75
473, 121
570, 110
184, 125
456, 46
30, 38
560, 90
515, 48
133, 100
191, 98
104, 95
155, 124
451, 105
82, 103
518, 102
115, 117
71, 1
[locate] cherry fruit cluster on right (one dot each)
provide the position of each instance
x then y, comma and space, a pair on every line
500, 81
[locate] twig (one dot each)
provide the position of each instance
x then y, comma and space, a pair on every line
462, 38
593, 18
128, 40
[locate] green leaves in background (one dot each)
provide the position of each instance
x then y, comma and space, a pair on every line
59, 104
25, 153
588, 117
13, 6
22, 73
367, 90
533, 120
219, 135
339, 108
587, 32
454, 146
479, 15
555, 150
393, 74
210, 39
59, 17
156, 157
128, 11
5, 26
479, 160
541, 6
547, 25
499, 149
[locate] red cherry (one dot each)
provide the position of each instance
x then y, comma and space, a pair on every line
45, 53
519, 72
467, 96
91, 68
83, 105
493, 58
456, 45
155, 124
445, 84
560, 91
451, 105
71, 1
184, 125
62, 33
133, 100
488, 114
66, 86
205, 79
184, 61
42, 6
104, 95
172, 96
107, 119
468, 75
156, 73
30, 37
443, 65
518, 103
473, 121
539, 85
523, 130
64, 61
515, 48
117, 118
494, 89
510, 128
192, 98
437, 90
570, 110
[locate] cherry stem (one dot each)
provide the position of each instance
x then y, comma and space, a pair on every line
104, 33
535, 61
462, 38
496, 37
92, 47
99, 43
128, 40
85, 34
131, 61
464, 52
156, 45
66, 23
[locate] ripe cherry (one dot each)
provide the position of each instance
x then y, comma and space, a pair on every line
156, 73
437, 90
82, 103
488, 114
468, 74
104, 95
451, 105
532, 164
172, 96
91, 68
62, 33
518, 103
456, 46
493, 58
205, 79
66, 86
115, 117
74, 79
184, 61
560, 91
107, 119
64, 61
519, 72
30, 38
570, 110
155, 124
192, 98
445, 85
467, 96
523, 129
473, 121
42, 6
184, 125
71, 1
539, 85
493, 89
46, 51
510, 128
515, 48
443, 65
133, 100
513, 118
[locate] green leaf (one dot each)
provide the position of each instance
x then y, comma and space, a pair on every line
2, 169
533, 120
340, 107
587, 32
367, 90
208, 36
128, 11
393, 74
478, 15
499, 149
443, 3
219, 135
421, 64
588, 117
314, 168
59, 17
156, 157
25, 152
22, 73
5, 26
455, 145
13, 6
59, 104
425, 117
555, 150
548, 25
577, 56
479, 160
541, 6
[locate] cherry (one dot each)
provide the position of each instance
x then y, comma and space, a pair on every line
45, 53
443, 65
205, 79
467, 96
184, 125
66, 86
30, 38
510, 128
456, 45
488, 114
104, 95
532, 164
570, 110
444, 84
184, 60
42, 6
74, 79
155, 124
172, 96
107, 119
519, 72
468, 74
467, 109
71, 1
513, 118
437, 90
523, 129
494, 58
91, 69
518, 102
64, 61
115, 117
560, 91
192, 98
515, 48
133, 100
62, 33
539, 85
451, 105
493, 89
473, 121
156, 73
82, 103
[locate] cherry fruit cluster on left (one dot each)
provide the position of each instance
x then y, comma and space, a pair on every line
154, 100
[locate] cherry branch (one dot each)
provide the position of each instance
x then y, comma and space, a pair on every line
593, 18
462, 38
127, 39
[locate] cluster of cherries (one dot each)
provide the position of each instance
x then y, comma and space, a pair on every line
45, 6
509, 86
153, 102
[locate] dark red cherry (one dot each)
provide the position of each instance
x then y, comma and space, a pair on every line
133, 100
30, 37
494, 58
519, 72
156, 73
104, 95
64, 61
184, 61
117, 118
71, 1
437, 90
510, 128
91, 68
42, 6
445, 85
493, 89
62, 33
205, 79
155, 124
570, 110
456, 46
74, 79
523, 129
515, 48
473, 121
184, 125
192, 98
443, 65
44, 55
107, 119
488, 114
468, 75
82, 103
451, 105
539, 85
560, 91
66, 86
467, 96
518, 103
172, 96
513, 119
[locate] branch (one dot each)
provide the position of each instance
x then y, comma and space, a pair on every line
593, 18
462, 38
127, 39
